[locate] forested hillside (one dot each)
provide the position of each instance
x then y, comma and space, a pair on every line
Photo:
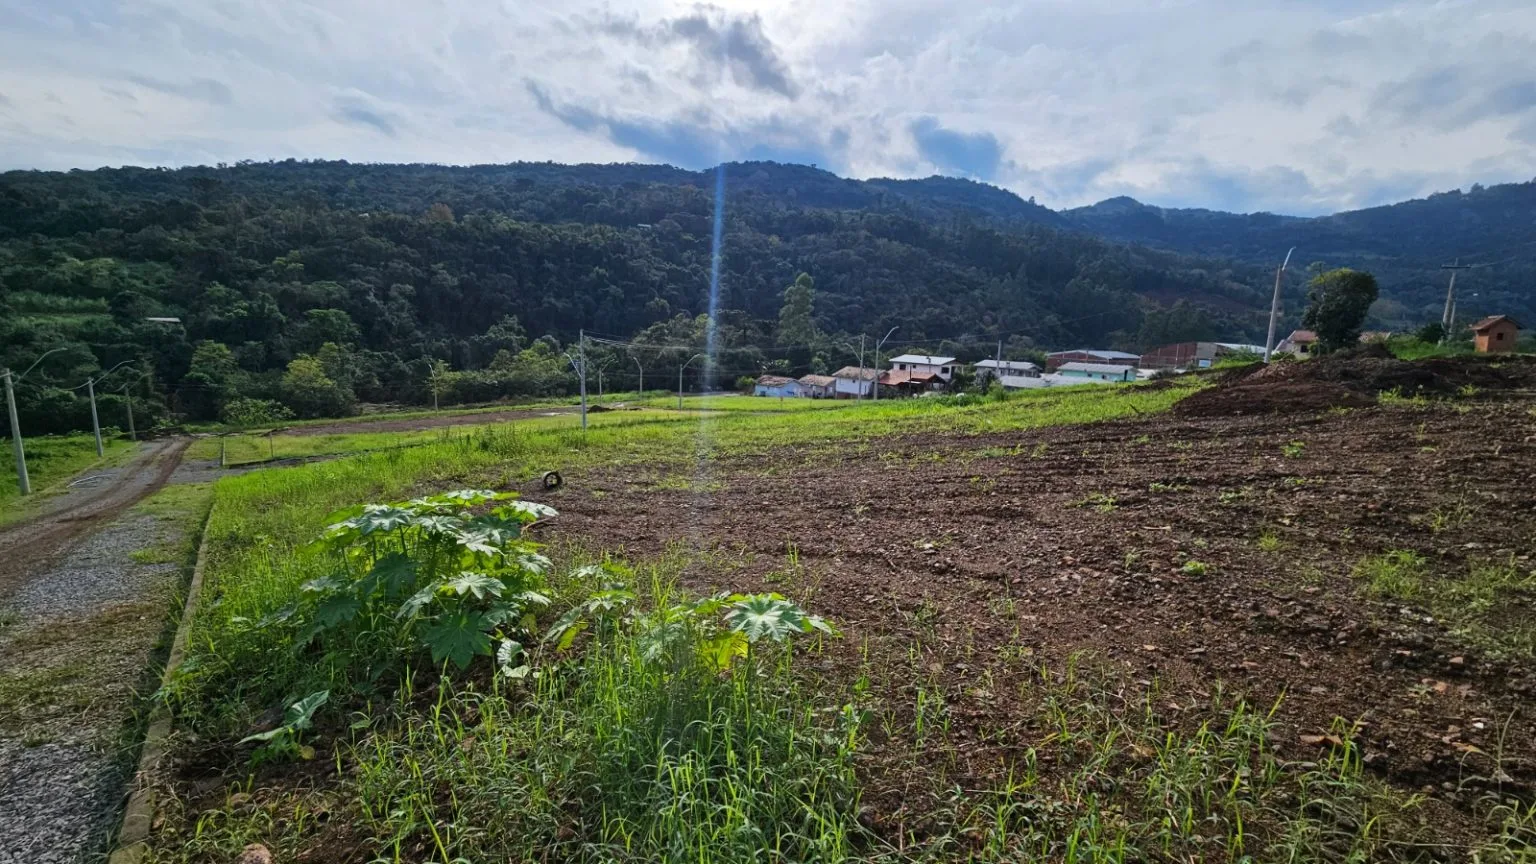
1402, 244
318, 284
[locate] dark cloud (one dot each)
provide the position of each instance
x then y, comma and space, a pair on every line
1447, 98
736, 44
972, 154
199, 89
357, 113
1420, 97
691, 142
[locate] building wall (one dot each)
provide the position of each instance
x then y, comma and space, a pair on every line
925, 368
1497, 339
790, 389
853, 387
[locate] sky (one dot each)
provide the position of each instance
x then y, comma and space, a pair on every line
1290, 106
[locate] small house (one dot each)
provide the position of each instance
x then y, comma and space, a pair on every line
1006, 369
924, 364
1076, 372
1194, 355
1300, 343
776, 385
1055, 359
1495, 334
900, 383
853, 382
818, 386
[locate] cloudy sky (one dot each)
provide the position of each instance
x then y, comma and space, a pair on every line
1299, 106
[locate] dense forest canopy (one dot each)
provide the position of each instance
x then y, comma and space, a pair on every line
305, 287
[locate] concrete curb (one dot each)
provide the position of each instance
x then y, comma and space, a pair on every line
133, 834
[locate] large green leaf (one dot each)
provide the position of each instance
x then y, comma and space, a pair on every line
767, 616
300, 713
457, 637
394, 573
336, 610
477, 584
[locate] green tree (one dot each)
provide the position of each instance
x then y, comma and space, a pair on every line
1338, 301
309, 392
796, 327
326, 325
212, 379
1430, 333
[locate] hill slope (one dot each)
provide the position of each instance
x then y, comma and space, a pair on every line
1403, 244
403, 264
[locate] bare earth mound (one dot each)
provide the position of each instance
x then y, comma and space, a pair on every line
1355, 380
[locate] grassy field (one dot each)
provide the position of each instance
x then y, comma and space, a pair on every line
51, 461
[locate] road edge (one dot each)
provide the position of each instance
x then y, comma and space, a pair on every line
132, 842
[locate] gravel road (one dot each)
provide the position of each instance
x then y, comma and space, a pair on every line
87, 591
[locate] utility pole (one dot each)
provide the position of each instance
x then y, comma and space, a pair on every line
1448, 317
581, 352
642, 373
90, 387
1274, 307
128, 401
680, 379
997, 371
878, 346
861, 359
22, 479
21, 453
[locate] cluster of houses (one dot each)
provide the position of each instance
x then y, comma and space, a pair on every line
918, 374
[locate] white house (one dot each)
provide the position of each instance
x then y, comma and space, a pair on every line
776, 385
852, 382
1076, 372
924, 364
1006, 369
818, 386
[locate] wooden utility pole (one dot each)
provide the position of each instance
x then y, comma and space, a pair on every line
1447, 316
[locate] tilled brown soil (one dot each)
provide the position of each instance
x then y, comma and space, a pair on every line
1075, 539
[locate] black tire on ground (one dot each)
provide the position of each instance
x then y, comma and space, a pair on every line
552, 480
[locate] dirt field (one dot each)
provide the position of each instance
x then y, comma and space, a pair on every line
959, 552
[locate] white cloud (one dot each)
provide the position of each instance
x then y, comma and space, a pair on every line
1273, 104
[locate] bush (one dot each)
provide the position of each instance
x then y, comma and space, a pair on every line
254, 412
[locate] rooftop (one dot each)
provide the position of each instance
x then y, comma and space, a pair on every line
1101, 353
1105, 368
817, 380
854, 373
1492, 320
1007, 364
923, 359
773, 380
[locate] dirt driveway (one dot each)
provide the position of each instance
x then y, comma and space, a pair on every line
27, 545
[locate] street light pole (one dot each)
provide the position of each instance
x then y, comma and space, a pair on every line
878, 346
22, 480
1274, 307
680, 379
21, 453
90, 387
128, 401
642, 374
